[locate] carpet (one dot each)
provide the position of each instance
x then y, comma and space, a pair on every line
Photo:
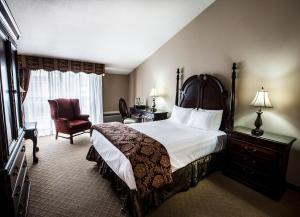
65, 184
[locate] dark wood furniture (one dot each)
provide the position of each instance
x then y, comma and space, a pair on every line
14, 181
31, 133
148, 114
140, 107
125, 113
207, 92
68, 118
259, 162
199, 91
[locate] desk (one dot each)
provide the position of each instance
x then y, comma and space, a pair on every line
148, 114
31, 133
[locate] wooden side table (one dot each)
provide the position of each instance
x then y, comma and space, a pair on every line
31, 133
259, 161
147, 114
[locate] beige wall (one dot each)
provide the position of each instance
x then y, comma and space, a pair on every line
114, 87
132, 87
263, 36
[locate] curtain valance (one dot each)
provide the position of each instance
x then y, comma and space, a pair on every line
63, 65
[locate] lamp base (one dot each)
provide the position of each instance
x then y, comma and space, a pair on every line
257, 132
153, 105
153, 109
258, 123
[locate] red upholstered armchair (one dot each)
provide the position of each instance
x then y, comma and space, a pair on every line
67, 117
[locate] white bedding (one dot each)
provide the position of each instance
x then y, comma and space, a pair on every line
184, 145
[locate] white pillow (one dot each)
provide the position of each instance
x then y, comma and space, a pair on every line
180, 115
218, 114
205, 119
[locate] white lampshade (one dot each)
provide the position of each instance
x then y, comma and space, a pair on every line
153, 92
261, 99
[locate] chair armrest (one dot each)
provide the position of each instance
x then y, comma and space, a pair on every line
62, 120
83, 117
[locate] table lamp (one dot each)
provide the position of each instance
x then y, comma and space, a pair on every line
260, 100
153, 93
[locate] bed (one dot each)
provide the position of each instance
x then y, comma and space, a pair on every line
193, 153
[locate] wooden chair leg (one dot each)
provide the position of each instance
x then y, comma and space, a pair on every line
71, 138
56, 136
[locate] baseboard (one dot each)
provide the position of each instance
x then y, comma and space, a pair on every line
108, 113
293, 187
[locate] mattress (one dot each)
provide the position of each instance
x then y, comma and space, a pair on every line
184, 145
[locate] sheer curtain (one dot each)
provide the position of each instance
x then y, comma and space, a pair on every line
46, 85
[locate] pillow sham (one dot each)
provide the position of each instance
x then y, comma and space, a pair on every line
205, 119
180, 115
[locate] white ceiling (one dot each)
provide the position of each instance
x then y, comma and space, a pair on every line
119, 33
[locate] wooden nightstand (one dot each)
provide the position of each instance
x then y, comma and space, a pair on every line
258, 162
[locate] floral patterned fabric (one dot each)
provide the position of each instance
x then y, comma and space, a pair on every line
183, 179
149, 159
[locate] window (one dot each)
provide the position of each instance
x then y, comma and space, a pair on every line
46, 85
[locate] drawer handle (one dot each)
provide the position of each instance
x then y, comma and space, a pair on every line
15, 171
18, 190
23, 148
250, 172
250, 149
249, 160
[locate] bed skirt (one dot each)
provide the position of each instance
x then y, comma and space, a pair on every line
183, 179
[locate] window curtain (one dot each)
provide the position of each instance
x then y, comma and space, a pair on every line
46, 85
62, 65
24, 82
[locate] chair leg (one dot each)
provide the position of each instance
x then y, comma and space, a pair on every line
71, 138
56, 136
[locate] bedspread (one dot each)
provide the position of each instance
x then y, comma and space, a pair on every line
149, 159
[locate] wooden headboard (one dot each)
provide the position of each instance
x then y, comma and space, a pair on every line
207, 92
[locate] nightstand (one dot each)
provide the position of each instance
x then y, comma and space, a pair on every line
149, 115
258, 162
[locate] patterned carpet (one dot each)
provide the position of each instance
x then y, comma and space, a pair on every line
65, 184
